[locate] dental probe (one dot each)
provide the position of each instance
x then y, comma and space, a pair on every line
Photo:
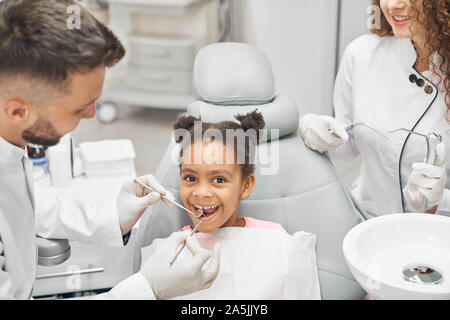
170, 200
184, 243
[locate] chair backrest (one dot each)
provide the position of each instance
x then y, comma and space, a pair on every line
297, 188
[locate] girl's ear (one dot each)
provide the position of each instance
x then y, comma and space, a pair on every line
247, 186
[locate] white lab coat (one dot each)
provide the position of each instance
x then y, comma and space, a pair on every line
373, 86
67, 218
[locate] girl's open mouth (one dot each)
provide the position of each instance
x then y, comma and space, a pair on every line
208, 211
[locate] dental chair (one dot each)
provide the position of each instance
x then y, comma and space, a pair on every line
301, 191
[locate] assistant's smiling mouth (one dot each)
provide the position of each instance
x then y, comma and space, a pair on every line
400, 20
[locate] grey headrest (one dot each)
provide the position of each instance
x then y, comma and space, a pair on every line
281, 114
233, 74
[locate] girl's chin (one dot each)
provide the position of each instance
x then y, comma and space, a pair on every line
208, 226
208, 229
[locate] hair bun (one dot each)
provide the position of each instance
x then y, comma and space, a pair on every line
185, 123
252, 120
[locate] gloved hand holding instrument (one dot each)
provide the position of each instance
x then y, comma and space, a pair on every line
426, 184
172, 201
317, 130
134, 199
323, 133
168, 280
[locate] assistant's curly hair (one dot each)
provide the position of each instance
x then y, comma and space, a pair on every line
250, 121
436, 23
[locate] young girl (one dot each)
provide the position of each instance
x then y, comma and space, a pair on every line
216, 190
258, 259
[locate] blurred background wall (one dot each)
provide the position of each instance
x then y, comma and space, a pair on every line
304, 40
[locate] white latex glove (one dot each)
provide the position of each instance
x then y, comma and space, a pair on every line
168, 281
133, 199
315, 132
427, 181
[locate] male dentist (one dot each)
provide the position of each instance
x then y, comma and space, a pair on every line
50, 79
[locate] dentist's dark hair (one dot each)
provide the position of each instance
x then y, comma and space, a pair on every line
36, 42
250, 121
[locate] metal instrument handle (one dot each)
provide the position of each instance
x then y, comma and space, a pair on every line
432, 141
184, 243
168, 199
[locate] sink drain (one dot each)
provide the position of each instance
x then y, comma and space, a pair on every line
422, 274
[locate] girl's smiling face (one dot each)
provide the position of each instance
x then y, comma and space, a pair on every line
212, 186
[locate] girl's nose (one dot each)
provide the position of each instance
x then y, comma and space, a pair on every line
202, 192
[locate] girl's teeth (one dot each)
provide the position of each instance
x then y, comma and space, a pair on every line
207, 208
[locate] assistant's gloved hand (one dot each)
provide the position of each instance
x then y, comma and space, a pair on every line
427, 181
134, 199
315, 132
168, 281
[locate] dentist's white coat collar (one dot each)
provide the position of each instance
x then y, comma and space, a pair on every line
10, 153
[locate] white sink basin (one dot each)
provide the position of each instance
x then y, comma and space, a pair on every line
378, 250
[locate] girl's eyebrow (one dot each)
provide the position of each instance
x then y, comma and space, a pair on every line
188, 170
221, 172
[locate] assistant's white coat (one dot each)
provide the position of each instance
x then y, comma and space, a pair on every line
373, 86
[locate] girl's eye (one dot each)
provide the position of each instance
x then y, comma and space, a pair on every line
189, 179
219, 180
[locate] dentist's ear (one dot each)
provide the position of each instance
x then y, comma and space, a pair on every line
18, 111
247, 186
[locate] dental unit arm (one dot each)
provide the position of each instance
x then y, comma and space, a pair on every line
432, 139
358, 124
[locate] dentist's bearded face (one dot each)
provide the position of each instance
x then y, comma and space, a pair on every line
62, 115
41, 133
